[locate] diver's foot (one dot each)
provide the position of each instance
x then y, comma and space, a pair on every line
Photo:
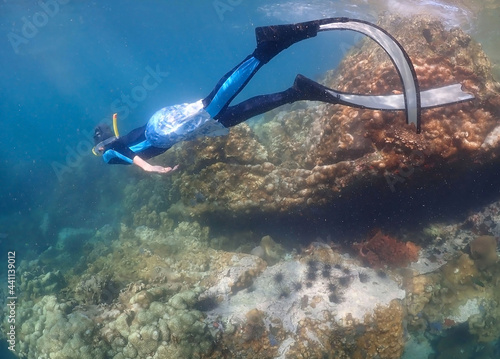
312, 91
271, 40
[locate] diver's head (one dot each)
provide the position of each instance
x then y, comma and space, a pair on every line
102, 132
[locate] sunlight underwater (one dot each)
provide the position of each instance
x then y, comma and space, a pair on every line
317, 231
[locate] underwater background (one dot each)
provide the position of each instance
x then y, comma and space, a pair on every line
132, 260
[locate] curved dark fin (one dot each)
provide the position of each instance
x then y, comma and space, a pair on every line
398, 56
310, 90
271, 40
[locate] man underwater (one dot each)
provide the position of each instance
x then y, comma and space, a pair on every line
213, 115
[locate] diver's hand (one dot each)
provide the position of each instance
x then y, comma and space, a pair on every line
160, 169
152, 168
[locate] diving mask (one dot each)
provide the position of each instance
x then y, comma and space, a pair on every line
100, 148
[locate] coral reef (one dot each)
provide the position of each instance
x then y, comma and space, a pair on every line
164, 285
208, 303
388, 329
278, 318
484, 251
95, 289
35, 283
160, 294
318, 154
458, 297
50, 330
382, 250
269, 250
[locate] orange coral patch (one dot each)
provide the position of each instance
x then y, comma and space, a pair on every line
382, 250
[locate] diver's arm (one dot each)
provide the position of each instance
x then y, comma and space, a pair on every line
150, 168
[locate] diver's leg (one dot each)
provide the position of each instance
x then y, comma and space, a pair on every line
230, 85
271, 40
207, 100
233, 115
302, 89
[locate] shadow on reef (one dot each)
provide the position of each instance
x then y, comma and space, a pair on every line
375, 206
5, 353
459, 343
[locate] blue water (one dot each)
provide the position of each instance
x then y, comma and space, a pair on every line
68, 65
65, 66
5, 353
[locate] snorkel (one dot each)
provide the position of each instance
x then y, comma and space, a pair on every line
99, 148
115, 125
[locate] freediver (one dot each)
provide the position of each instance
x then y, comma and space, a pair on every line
213, 115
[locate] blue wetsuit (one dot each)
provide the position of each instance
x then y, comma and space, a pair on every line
212, 116
185, 122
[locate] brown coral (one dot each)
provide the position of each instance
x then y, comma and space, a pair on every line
382, 249
484, 251
312, 157
385, 338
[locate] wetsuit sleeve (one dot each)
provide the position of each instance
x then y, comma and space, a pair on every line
119, 152
124, 149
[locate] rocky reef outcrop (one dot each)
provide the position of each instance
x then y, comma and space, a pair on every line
318, 154
162, 285
155, 293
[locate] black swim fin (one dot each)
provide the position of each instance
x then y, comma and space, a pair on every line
312, 91
271, 40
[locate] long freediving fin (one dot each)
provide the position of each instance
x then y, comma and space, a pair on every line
397, 54
429, 98
412, 100
273, 39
